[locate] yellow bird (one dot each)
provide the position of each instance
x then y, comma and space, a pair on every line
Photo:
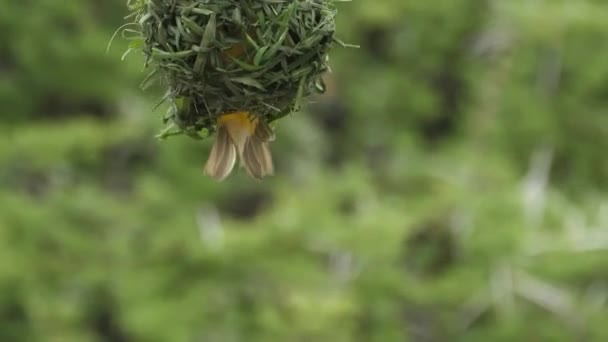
245, 137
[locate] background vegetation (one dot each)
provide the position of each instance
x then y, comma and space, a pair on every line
451, 186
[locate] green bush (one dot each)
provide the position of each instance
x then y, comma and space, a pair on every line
451, 186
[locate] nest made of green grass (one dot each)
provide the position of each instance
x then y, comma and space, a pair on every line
222, 56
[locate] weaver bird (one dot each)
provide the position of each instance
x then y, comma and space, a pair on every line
245, 137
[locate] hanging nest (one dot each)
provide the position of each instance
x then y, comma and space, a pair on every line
222, 56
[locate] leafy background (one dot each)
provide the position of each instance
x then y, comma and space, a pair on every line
451, 186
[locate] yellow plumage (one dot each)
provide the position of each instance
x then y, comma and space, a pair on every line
243, 136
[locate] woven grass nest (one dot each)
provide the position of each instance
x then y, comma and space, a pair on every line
232, 67
262, 57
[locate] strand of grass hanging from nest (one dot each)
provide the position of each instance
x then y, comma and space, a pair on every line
260, 56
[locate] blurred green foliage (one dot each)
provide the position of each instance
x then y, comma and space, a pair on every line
451, 186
